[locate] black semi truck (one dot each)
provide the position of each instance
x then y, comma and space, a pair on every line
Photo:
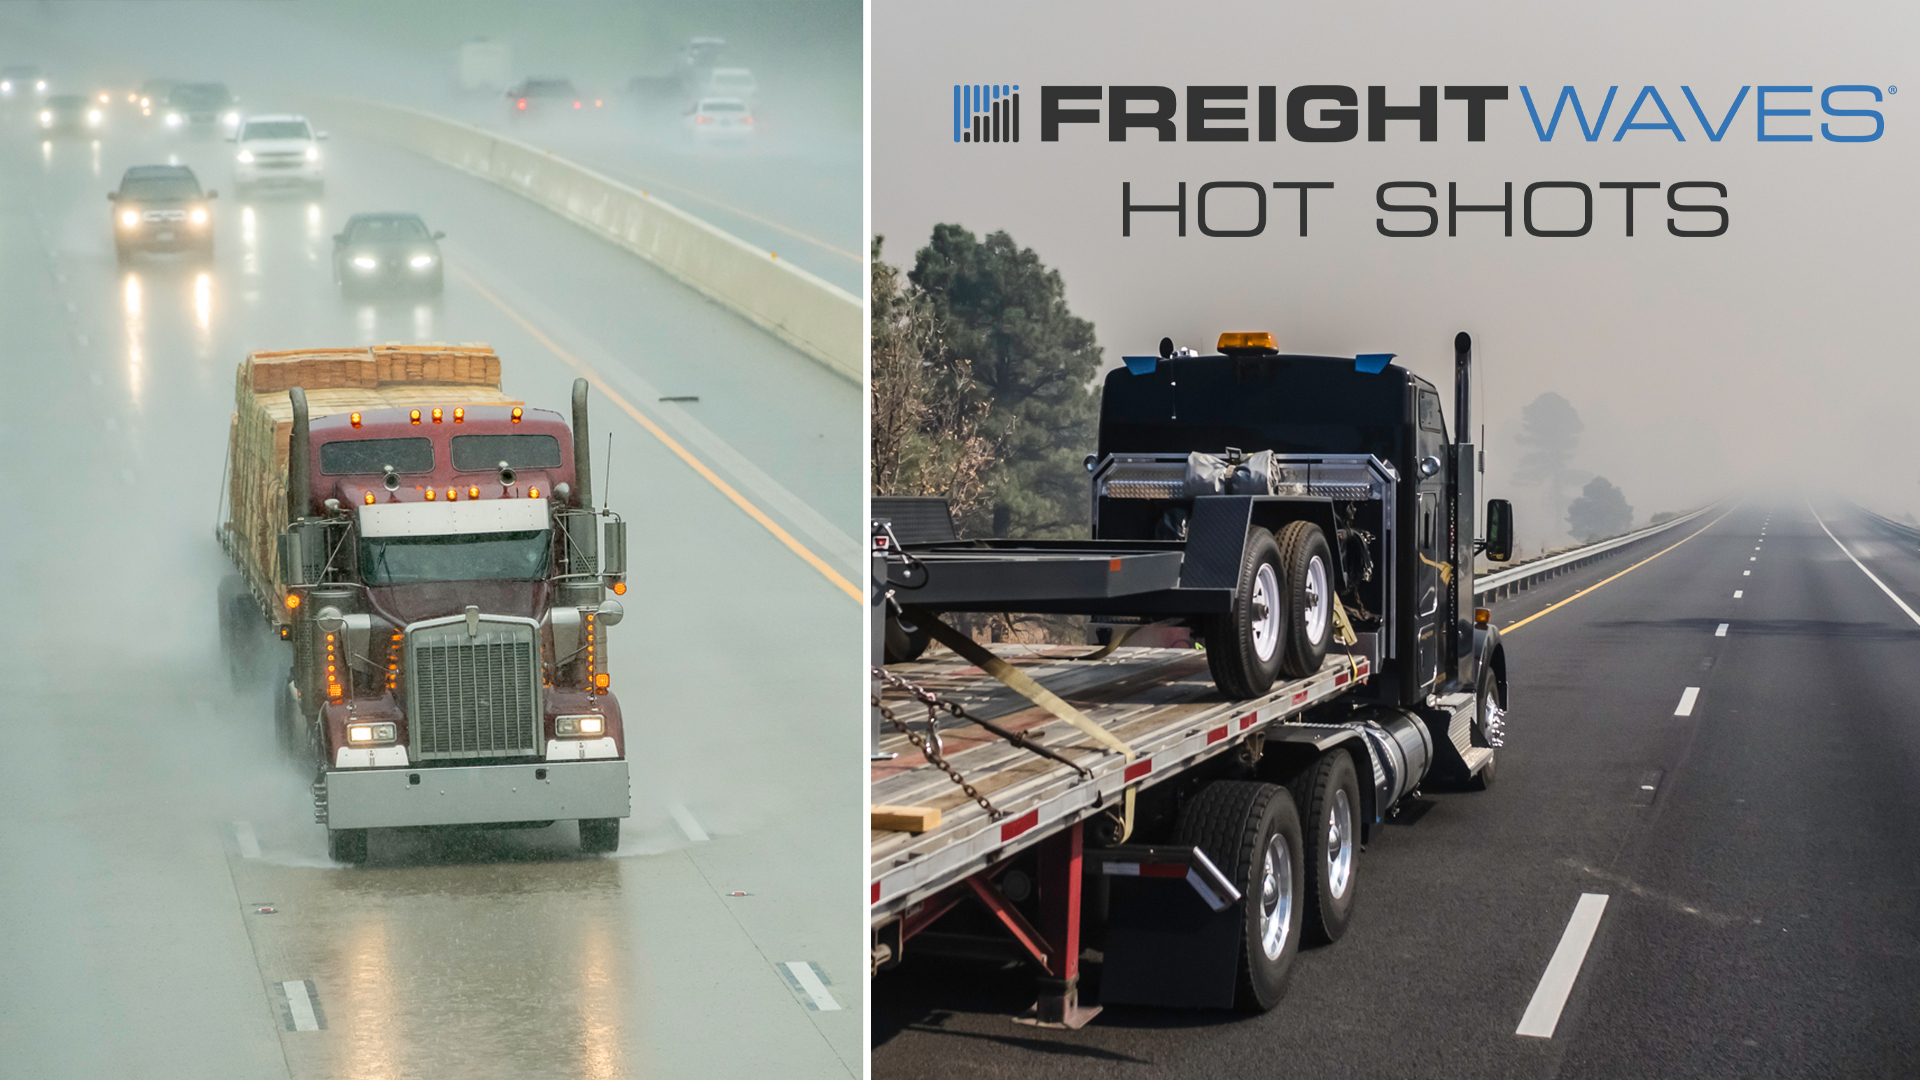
1310, 521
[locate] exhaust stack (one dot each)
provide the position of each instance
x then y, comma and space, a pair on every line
583, 531
1462, 387
299, 460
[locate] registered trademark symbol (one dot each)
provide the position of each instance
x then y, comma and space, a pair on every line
1893, 89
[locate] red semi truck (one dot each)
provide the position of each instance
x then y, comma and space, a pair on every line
429, 553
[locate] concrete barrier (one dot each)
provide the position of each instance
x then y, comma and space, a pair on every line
819, 319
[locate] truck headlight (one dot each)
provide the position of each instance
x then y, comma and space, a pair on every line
231, 118
130, 218
198, 216
366, 262
46, 119
246, 157
93, 117
420, 262
371, 733
173, 119
313, 153
579, 727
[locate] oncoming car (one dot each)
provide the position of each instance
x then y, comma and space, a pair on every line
720, 120
161, 208
282, 149
387, 253
71, 114
201, 108
20, 81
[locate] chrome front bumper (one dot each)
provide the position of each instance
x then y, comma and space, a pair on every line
472, 795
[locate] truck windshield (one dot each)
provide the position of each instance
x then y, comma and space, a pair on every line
498, 556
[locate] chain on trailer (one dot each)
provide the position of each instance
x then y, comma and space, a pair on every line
929, 745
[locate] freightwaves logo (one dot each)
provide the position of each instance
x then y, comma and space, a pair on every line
1842, 113
986, 113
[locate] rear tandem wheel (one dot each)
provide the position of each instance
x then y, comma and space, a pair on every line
1252, 833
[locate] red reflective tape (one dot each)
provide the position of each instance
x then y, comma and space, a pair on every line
1299, 697
1163, 870
1020, 824
1216, 734
876, 894
1341, 679
1249, 720
1137, 770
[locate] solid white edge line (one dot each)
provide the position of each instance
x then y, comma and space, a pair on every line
684, 818
1721, 630
249, 843
809, 982
1863, 568
300, 1005
1687, 698
1543, 1012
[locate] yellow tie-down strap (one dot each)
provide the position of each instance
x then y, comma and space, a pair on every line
1021, 683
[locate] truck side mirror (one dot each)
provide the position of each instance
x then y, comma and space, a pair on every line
1499, 530
613, 550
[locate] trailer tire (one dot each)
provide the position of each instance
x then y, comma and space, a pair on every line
1252, 833
347, 846
599, 835
1308, 562
1328, 795
903, 645
1245, 645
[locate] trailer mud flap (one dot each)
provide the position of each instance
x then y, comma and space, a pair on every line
1173, 930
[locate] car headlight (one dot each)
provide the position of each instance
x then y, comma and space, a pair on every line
198, 216
313, 153
173, 119
6, 87
366, 262
372, 733
41, 86
420, 262
246, 157
93, 117
46, 119
231, 118
579, 727
130, 218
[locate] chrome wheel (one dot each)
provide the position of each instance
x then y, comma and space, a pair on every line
1319, 600
1264, 616
1276, 898
1339, 844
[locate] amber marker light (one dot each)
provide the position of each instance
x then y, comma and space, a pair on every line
602, 681
459, 416
1482, 616
453, 495
473, 491
1255, 340
429, 494
415, 416
354, 419
369, 498
516, 414
619, 588
436, 416
533, 493
293, 601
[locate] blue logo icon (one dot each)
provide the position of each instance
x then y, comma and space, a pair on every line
986, 113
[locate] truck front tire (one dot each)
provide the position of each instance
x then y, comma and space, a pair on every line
1309, 565
1252, 833
347, 846
1488, 699
599, 835
1328, 796
1245, 644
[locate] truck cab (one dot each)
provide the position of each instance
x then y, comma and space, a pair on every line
445, 596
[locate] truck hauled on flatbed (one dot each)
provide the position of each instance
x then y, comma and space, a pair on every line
1305, 517
428, 551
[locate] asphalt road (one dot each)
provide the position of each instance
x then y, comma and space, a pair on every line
166, 893
1761, 914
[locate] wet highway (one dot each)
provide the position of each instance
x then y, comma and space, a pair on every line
1713, 753
170, 908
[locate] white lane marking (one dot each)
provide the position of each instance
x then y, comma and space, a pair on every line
683, 818
1721, 631
249, 843
1753, 558
300, 1006
1543, 1012
1863, 568
1687, 699
1746, 573
1738, 593
803, 973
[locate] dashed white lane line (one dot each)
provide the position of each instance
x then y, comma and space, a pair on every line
1746, 573
1721, 630
1738, 593
1687, 699
1543, 1012
1753, 558
300, 1011
249, 843
1863, 569
807, 978
683, 818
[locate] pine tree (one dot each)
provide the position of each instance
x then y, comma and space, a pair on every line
1600, 511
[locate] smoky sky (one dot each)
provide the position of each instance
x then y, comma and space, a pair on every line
1778, 354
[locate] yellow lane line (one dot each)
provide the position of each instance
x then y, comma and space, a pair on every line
668, 441
1515, 626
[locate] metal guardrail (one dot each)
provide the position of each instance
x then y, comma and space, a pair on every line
1509, 582
1898, 528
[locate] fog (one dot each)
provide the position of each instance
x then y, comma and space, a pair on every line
1772, 357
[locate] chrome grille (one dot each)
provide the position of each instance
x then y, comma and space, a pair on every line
473, 690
